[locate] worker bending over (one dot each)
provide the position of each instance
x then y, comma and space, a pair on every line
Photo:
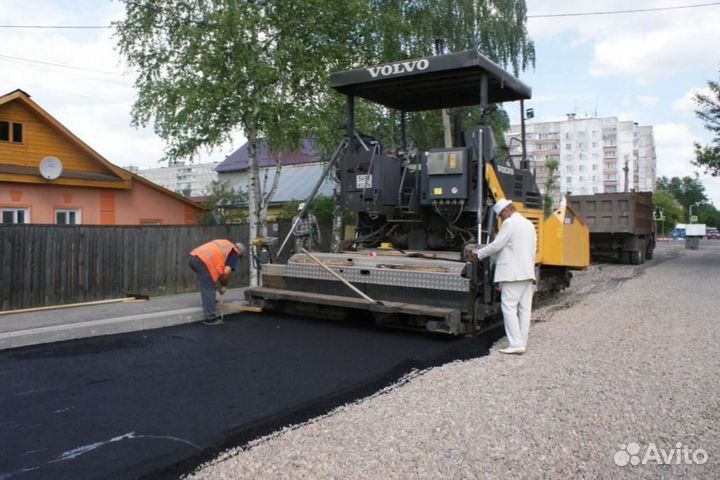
212, 263
515, 245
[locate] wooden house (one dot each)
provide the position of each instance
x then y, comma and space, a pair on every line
50, 176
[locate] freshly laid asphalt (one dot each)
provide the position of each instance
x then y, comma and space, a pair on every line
156, 403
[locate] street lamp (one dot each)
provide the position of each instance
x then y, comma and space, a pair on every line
691, 207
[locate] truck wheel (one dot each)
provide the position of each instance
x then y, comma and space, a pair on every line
637, 257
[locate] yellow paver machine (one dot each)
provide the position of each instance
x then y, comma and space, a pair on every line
419, 213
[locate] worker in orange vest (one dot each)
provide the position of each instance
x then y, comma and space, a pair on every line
212, 263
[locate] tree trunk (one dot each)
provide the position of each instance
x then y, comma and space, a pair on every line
267, 195
253, 197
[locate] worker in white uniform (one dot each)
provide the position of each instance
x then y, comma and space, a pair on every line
515, 246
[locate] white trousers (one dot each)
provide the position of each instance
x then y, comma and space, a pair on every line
516, 309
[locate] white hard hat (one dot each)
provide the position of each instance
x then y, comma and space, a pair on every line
501, 205
301, 206
240, 246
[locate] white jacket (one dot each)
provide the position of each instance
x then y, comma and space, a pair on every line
516, 243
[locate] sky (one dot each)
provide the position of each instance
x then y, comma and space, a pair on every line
641, 66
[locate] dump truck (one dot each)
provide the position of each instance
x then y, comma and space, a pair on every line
621, 225
421, 212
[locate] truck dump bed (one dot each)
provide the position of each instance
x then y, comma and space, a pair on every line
616, 213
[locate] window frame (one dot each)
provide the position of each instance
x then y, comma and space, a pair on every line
67, 212
15, 210
11, 126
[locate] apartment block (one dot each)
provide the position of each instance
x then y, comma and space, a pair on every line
595, 155
189, 179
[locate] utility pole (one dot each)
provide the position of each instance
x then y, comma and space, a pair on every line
626, 169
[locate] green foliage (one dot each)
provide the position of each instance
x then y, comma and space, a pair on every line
708, 156
671, 208
224, 205
708, 214
686, 190
208, 70
552, 165
397, 30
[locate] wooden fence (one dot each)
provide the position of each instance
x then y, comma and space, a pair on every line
54, 264
51, 264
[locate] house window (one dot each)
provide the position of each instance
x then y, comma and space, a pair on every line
17, 132
15, 215
67, 217
6, 131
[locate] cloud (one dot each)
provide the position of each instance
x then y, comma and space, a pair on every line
647, 101
656, 54
674, 149
592, 27
93, 105
685, 105
642, 45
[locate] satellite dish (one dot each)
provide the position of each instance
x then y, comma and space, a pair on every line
50, 168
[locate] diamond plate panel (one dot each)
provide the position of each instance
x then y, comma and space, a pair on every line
381, 276
273, 269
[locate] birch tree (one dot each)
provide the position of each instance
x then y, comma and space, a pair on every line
210, 68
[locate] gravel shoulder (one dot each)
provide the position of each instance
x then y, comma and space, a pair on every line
627, 354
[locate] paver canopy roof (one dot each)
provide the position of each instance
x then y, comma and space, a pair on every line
430, 83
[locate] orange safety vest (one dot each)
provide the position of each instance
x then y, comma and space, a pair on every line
214, 254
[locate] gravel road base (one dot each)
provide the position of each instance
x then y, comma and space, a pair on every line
627, 357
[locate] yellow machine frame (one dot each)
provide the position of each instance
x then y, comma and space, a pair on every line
563, 238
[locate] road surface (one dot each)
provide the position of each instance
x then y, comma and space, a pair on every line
158, 403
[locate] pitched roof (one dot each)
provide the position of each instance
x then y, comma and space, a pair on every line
123, 175
24, 97
297, 182
239, 159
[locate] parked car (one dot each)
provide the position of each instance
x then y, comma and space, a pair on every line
678, 232
712, 233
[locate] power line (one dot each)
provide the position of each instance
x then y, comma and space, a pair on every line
25, 84
29, 60
548, 15
78, 27
57, 70
615, 12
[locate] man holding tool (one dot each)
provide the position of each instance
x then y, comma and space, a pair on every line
515, 246
212, 263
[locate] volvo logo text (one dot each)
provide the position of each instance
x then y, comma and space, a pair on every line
400, 67
505, 170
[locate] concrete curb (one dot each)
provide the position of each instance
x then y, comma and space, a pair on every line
96, 328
